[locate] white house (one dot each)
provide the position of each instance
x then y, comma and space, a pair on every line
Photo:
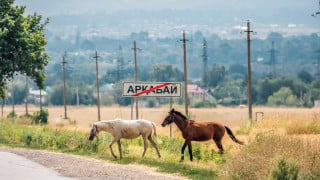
34, 95
196, 92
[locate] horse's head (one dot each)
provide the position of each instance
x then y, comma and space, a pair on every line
169, 119
94, 132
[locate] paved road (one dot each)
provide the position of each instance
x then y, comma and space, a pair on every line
16, 167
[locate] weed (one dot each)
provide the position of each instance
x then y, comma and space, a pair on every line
283, 170
41, 117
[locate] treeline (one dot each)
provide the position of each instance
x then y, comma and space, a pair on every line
288, 76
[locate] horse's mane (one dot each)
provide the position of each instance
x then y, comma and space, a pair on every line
181, 115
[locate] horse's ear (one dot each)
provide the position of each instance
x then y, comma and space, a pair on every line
171, 111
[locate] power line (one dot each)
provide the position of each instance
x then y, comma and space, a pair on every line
136, 76
205, 63
186, 101
248, 31
317, 12
273, 62
64, 84
97, 79
120, 64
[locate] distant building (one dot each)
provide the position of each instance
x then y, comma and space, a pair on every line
34, 96
196, 92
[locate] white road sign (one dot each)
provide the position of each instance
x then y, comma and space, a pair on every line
151, 89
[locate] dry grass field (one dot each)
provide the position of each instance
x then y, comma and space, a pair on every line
289, 133
82, 117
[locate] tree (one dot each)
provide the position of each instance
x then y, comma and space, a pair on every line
22, 45
117, 95
305, 76
166, 73
283, 97
216, 75
238, 69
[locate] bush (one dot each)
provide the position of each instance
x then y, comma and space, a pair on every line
12, 115
283, 170
284, 97
204, 103
41, 116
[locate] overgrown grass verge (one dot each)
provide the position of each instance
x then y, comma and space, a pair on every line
274, 149
277, 148
75, 142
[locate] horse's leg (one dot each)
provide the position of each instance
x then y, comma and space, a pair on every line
110, 146
219, 145
190, 150
154, 145
120, 149
182, 150
145, 145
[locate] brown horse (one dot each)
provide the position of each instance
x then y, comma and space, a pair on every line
198, 131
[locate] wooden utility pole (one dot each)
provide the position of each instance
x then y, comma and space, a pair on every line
40, 100
248, 31
12, 95
64, 84
186, 101
136, 76
97, 81
27, 95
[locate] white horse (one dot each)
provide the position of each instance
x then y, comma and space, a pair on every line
128, 129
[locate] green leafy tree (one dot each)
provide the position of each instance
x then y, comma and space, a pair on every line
19, 91
117, 95
216, 75
166, 73
283, 97
268, 86
22, 44
305, 76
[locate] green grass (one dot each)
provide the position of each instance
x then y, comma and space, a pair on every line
266, 142
74, 142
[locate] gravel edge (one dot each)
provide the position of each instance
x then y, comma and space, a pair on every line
84, 168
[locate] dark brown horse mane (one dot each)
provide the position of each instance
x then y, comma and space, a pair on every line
180, 114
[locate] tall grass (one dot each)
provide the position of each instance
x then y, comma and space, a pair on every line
275, 148
297, 142
45, 137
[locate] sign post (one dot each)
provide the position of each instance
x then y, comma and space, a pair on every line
152, 89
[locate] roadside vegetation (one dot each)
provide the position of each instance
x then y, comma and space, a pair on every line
274, 149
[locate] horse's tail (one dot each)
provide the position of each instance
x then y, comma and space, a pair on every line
155, 133
154, 129
232, 136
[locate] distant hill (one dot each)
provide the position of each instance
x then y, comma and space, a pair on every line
172, 22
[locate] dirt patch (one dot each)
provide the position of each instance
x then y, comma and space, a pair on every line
86, 168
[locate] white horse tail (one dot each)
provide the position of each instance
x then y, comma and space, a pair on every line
155, 133
154, 129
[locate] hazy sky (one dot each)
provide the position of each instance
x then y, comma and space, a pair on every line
79, 6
